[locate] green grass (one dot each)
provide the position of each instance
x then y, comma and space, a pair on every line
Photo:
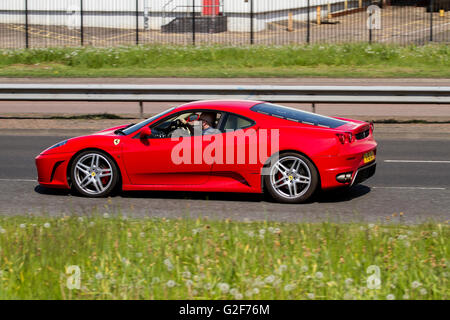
123, 258
345, 60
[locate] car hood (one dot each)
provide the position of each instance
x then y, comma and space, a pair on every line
110, 130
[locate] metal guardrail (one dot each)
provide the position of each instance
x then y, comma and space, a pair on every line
184, 93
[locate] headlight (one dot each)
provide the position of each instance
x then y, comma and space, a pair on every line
59, 144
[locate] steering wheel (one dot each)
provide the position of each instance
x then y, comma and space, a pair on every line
175, 125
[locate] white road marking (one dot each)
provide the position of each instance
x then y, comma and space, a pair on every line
418, 161
413, 188
19, 180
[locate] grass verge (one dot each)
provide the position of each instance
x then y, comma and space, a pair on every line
121, 258
345, 60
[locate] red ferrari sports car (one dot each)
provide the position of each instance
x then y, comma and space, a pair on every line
218, 146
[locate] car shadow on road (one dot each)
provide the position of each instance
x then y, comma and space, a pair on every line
51, 192
341, 195
332, 196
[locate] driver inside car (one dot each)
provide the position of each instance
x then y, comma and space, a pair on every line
207, 119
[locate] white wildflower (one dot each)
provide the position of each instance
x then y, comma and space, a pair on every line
47, 225
269, 279
224, 287
99, 276
289, 287
208, 286
311, 296
282, 268
156, 280
390, 297
168, 264
258, 282
170, 283
319, 275
106, 215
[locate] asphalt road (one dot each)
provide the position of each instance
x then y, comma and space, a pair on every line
418, 186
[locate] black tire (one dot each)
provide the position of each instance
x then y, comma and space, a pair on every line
105, 165
305, 191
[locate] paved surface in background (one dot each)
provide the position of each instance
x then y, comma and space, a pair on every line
359, 111
400, 24
419, 189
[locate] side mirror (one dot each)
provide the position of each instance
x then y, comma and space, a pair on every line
192, 117
146, 133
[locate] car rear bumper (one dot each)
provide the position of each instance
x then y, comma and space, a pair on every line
364, 173
350, 164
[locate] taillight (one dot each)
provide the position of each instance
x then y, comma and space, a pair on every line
345, 137
372, 126
350, 137
341, 137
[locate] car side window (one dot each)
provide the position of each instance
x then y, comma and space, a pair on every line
234, 122
173, 126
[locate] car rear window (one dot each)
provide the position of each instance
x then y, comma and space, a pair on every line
297, 115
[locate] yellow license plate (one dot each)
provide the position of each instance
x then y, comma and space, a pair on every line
369, 156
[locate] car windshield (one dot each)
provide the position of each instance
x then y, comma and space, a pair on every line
297, 115
142, 124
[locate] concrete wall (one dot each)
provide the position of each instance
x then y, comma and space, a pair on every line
121, 13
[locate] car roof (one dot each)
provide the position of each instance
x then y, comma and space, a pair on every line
223, 104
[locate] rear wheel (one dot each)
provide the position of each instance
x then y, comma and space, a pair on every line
94, 174
292, 178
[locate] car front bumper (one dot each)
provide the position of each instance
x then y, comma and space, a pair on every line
52, 169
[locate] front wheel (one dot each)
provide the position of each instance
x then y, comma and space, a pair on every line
94, 174
292, 178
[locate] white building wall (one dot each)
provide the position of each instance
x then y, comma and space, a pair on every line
121, 13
